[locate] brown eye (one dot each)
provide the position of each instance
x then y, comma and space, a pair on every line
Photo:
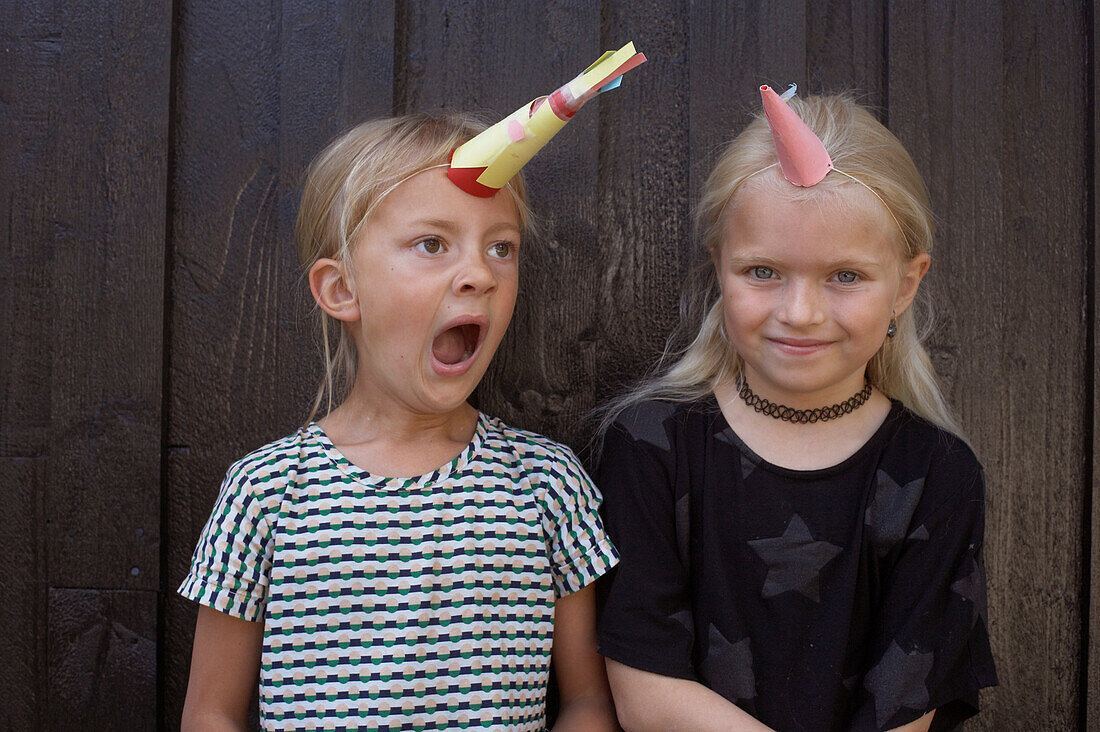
431, 245
501, 250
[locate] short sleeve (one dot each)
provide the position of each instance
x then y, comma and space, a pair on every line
931, 644
232, 562
646, 619
577, 544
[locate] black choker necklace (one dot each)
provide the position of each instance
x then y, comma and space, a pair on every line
804, 416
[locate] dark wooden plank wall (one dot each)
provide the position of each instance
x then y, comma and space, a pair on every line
154, 328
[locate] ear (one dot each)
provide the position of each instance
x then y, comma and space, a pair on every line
911, 274
332, 291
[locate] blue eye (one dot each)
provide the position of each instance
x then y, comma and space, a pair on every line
847, 277
762, 273
502, 249
429, 245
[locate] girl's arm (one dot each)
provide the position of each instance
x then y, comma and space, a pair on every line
582, 684
648, 701
917, 725
225, 664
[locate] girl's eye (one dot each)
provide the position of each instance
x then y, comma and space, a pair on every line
762, 273
846, 277
501, 250
431, 245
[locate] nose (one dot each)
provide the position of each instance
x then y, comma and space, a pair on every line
474, 275
803, 304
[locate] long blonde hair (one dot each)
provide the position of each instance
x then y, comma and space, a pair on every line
343, 186
699, 356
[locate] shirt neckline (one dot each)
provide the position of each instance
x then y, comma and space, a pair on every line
880, 435
414, 483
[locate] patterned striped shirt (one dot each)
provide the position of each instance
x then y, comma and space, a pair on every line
402, 603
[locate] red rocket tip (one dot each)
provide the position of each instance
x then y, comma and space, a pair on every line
466, 179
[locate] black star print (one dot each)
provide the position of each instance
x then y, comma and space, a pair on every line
891, 510
898, 681
747, 466
685, 619
794, 560
648, 424
727, 667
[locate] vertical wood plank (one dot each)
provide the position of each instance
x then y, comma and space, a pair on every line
644, 225
103, 658
84, 119
492, 58
261, 88
1005, 167
845, 49
23, 592
1091, 687
107, 266
734, 48
29, 49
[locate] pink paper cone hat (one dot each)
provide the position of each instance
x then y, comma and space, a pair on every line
802, 158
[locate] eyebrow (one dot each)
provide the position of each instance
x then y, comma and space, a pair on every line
766, 261
451, 227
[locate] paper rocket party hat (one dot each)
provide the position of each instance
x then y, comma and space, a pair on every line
486, 163
802, 158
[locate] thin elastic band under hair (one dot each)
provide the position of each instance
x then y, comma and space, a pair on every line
833, 169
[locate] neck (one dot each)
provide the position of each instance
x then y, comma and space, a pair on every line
798, 446
363, 419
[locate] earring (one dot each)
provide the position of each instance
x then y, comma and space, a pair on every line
892, 329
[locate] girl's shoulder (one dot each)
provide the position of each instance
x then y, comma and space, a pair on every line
916, 435
944, 464
642, 417
531, 451
271, 467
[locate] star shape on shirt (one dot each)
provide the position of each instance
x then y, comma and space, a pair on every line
898, 680
971, 587
727, 667
647, 424
891, 510
794, 560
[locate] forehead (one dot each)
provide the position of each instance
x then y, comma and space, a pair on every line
842, 221
431, 196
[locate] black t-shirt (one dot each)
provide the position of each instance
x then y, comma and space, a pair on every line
851, 597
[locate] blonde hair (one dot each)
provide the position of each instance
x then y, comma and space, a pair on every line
861, 147
343, 186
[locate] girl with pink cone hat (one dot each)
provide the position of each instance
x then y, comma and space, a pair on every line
799, 520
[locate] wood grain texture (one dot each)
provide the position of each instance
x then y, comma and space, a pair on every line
1005, 167
1091, 627
845, 49
83, 119
23, 593
734, 48
101, 187
29, 60
261, 88
102, 660
644, 224
491, 58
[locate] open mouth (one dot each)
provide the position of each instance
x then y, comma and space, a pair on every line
456, 345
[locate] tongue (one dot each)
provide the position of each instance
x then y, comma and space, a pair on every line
449, 346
